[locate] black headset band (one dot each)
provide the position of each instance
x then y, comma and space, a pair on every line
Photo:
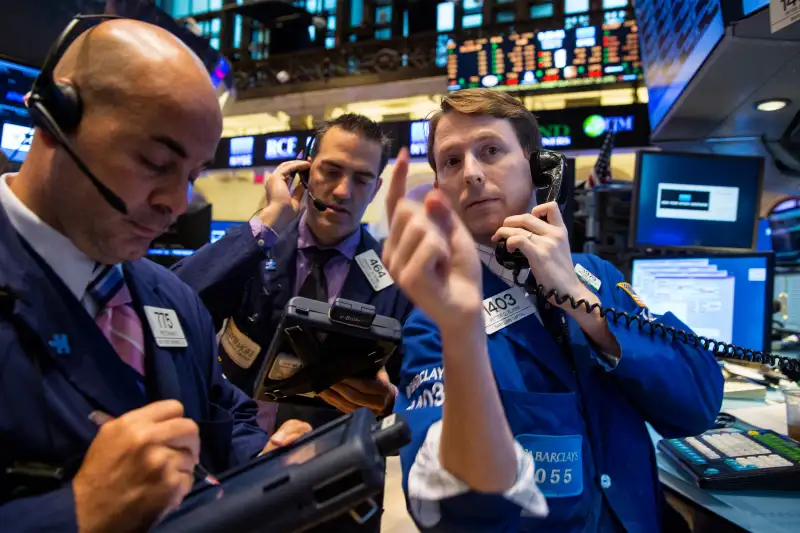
45, 78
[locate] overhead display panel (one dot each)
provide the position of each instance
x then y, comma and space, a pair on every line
587, 55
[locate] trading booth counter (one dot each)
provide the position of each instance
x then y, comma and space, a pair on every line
756, 511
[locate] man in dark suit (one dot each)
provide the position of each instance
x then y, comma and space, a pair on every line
292, 248
91, 334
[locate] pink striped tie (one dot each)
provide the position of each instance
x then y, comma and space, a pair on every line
123, 328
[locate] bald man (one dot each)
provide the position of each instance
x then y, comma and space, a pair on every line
91, 335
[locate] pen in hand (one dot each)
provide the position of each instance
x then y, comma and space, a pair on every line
200, 473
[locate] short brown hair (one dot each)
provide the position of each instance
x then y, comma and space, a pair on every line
486, 102
360, 125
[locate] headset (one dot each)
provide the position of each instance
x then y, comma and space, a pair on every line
56, 106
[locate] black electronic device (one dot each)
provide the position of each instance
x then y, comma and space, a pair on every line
186, 235
547, 170
335, 469
305, 175
732, 459
695, 201
318, 345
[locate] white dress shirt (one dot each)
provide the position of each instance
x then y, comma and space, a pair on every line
67, 261
429, 482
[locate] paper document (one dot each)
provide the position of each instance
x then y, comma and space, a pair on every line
767, 417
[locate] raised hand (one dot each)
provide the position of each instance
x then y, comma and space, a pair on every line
430, 254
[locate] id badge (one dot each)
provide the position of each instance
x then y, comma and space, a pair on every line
558, 463
505, 308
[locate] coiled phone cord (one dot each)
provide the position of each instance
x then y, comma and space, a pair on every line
718, 348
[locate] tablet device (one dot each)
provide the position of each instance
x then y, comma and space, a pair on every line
318, 345
325, 473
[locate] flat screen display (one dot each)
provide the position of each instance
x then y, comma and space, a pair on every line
719, 297
588, 55
784, 222
676, 38
694, 200
16, 130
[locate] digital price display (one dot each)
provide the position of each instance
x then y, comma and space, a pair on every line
607, 53
677, 38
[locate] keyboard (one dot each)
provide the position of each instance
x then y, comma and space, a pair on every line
731, 459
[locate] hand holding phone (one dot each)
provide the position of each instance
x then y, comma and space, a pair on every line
283, 202
543, 239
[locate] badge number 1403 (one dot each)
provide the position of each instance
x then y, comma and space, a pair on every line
505, 308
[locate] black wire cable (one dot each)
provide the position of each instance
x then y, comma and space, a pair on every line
718, 348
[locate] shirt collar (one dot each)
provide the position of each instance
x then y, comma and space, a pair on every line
306, 239
67, 261
486, 254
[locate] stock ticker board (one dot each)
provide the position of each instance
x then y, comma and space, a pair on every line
588, 55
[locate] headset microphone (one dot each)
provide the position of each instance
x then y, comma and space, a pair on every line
319, 204
107, 194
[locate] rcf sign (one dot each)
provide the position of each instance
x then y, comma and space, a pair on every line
258, 150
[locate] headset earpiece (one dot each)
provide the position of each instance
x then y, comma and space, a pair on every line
62, 103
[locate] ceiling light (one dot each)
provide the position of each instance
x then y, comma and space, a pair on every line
772, 105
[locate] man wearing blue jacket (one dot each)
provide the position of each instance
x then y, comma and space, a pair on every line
110, 390
526, 415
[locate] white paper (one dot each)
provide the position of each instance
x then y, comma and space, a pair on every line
373, 269
505, 308
783, 13
166, 327
765, 416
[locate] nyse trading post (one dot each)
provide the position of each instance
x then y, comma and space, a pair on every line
600, 54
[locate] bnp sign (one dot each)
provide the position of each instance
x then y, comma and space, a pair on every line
555, 135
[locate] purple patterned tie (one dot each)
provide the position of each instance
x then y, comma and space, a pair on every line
117, 319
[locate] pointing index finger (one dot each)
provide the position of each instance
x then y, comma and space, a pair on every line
397, 186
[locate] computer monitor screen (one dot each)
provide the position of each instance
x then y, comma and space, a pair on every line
784, 222
677, 38
722, 297
219, 228
16, 130
696, 200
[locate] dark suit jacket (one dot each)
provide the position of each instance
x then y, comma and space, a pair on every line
56, 367
232, 280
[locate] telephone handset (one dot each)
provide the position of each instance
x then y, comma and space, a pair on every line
547, 169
